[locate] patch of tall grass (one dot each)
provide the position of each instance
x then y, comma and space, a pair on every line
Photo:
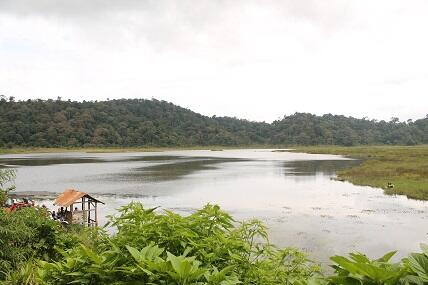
404, 167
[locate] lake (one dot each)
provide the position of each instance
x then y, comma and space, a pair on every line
293, 193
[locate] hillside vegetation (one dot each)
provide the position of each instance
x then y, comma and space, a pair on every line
139, 122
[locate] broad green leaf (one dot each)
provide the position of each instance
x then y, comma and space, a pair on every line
387, 256
134, 252
419, 264
346, 264
345, 280
424, 248
359, 257
412, 279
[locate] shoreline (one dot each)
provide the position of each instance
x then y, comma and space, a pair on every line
405, 167
30, 150
401, 170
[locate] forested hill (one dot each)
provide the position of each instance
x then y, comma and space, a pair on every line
139, 122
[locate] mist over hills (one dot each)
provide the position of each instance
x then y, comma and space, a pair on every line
141, 122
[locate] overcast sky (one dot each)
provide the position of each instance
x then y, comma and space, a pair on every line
257, 60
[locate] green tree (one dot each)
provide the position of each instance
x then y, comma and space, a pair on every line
7, 177
138, 122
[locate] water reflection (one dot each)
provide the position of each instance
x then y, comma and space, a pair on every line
313, 167
46, 161
174, 169
55, 159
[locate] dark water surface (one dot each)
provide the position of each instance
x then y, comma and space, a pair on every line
292, 193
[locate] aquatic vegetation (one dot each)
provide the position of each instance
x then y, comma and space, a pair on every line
405, 167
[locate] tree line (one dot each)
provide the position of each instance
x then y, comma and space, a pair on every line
141, 122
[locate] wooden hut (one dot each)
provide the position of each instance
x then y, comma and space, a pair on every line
69, 201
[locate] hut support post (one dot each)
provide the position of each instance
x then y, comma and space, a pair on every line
96, 213
71, 213
83, 211
89, 213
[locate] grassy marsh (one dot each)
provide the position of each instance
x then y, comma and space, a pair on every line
406, 167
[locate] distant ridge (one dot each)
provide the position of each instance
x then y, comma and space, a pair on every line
141, 122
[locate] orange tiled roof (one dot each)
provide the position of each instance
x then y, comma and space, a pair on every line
70, 196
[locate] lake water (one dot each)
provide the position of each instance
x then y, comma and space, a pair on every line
294, 194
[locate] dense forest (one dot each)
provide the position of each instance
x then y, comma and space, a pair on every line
140, 122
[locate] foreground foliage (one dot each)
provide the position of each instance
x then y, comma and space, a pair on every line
202, 248
152, 247
206, 247
7, 177
358, 269
27, 234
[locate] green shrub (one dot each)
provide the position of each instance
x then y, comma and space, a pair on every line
7, 177
206, 247
149, 247
25, 274
24, 234
358, 269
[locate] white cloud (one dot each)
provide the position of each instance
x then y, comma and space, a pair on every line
252, 59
